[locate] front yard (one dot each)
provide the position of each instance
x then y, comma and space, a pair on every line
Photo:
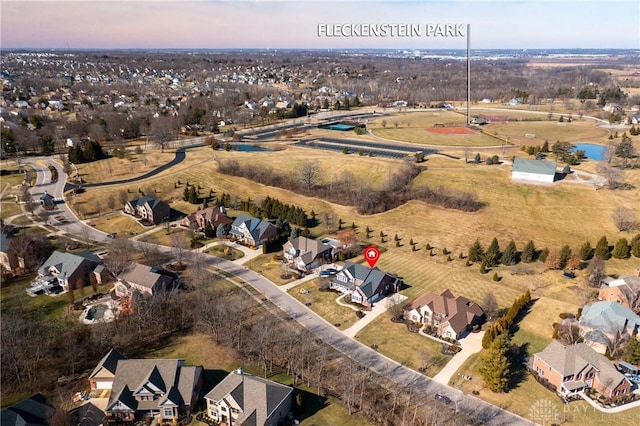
324, 304
271, 268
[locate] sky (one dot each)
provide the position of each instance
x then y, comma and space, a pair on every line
219, 24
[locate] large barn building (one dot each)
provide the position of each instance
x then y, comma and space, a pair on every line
533, 170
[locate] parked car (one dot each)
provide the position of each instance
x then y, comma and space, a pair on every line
443, 398
112, 236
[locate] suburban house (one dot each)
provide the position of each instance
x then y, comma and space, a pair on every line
9, 262
243, 399
146, 388
305, 254
525, 169
32, 411
145, 279
148, 209
102, 375
571, 369
624, 290
212, 216
602, 323
64, 269
363, 284
252, 231
452, 316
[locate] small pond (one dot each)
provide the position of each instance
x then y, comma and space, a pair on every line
592, 151
247, 147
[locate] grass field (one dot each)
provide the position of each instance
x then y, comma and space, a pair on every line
324, 304
161, 237
119, 168
225, 252
119, 223
396, 342
550, 130
271, 268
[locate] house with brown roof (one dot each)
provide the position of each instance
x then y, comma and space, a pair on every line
148, 280
305, 254
212, 216
574, 368
245, 400
452, 316
164, 389
624, 290
148, 209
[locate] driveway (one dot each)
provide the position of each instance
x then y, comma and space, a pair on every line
378, 309
470, 345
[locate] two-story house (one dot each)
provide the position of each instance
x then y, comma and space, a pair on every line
211, 216
148, 209
603, 323
67, 270
242, 399
147, 280
573, 368
624, 290
305, 254
252, 231
452, 316
363, 284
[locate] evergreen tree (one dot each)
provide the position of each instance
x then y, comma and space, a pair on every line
602, 249
529, 252
510, 254
494, 364
621, 249
586, 251
185, 194
565, 254
476, 252
477, 158
543, 255
635, 245
492, 256
545, 146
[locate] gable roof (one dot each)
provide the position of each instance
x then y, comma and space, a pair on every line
146, 276
256, 227
542, 167
608, 317
67, 263
107, 365
140, 202
257, 398
368, 280
34, 410
571, 360
459, 311
214, 215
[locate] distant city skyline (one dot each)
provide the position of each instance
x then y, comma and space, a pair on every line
217, 24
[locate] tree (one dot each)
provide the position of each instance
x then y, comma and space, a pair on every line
596, 272
492, 255
635, 245
477, 158
119, 257
476, 252
309, 174
490, 305
510, 254
574, 262
552, 260
625, 150
624, 218
586, 251
494, 365
565, 254
613, 176
602, 249
621, 249
395, 307
529, 252
179, 246
111, 202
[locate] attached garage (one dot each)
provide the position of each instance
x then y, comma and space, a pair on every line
533, 170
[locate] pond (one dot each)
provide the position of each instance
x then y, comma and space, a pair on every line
245, 147
592, 151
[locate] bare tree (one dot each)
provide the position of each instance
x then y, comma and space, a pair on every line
490, 305
179, 246
119, 257
111, 202
624, 218
596, 272
613, 175
26, 197
395, 307
123, 197
309, 174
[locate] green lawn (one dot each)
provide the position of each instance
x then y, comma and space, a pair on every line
396, 342
324, 304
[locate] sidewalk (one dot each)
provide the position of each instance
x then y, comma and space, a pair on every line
617, 409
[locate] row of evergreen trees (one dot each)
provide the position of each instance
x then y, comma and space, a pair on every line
273, 208
86, 152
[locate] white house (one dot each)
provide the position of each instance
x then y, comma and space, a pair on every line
533, 170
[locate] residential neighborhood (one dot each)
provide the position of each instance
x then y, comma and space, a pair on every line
364, 286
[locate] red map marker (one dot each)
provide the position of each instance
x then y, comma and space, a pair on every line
372, 254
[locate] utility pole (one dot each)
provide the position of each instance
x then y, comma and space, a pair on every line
468, 74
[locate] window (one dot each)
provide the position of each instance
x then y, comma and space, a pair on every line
168, 412
223, 408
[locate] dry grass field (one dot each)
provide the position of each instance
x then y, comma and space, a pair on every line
550, 130
117, 223
324, 304
120, 168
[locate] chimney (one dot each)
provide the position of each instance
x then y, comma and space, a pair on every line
239, 371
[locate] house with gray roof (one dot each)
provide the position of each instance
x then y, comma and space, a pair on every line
363, 284
252, 231
245, 400
624, 290
102, 375
305, 254
32, 411
65, 269
148, 209
574, 368
147, 280
164, 389
525, 169
602, 323
451, 316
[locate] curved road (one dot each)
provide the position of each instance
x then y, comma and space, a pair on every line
484, 412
